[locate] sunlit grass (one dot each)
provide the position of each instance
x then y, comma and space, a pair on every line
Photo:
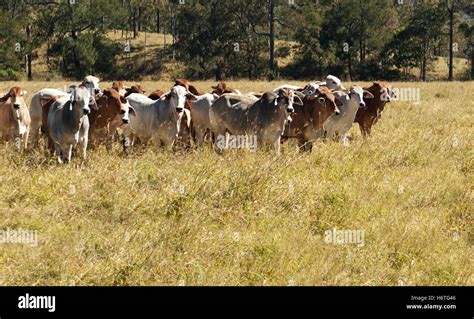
197, 218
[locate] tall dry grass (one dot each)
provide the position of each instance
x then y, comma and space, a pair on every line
197, 218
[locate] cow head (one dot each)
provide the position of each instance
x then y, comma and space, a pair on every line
310, 89
357, 94
219, 89
327, 99
385, 91
91, 83
118, 104
287, 97
179, 94
120, 87
222, 88
156, 95
15, 95
134, 89
182, 82
334, 83
80, 97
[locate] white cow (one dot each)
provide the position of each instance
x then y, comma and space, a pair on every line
68, 123
264, 118
336, 126
42, 97
156, 121
200, 115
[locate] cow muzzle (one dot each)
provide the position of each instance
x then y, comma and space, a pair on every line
96, 91
337, 112
362, 105
125, 121
16, 106
290, 109
179, 109
86, 111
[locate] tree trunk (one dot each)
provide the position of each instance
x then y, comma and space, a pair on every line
361, 34
472, 64
139, 20
349, 65
157, 20
451, 35
271, 15
134, 23
29, 55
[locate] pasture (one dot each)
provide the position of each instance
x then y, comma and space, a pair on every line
244, 218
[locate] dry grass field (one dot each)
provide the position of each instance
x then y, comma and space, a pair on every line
244, 218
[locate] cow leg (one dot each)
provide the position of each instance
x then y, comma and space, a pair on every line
58, 153
199, 136
26, 137
83, 148
35, 133
220, 141
67, 157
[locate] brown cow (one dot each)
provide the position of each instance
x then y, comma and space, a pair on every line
112, 111
14, 117
370, 115
307, 120
120, 87
155, 95
134, 89
222, 88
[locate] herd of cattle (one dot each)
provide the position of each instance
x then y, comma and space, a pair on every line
85, 116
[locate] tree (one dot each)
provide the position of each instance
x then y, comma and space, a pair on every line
413, 44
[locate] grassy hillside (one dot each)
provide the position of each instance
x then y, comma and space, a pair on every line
197, 218
146, 48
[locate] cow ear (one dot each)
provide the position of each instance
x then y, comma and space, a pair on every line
338, 101
275, 101
101, 101
131, 111
191, 97
5, 97
93, 104
368, 95
297, 100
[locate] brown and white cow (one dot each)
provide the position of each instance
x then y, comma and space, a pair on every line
370, 115
14, 117
120, 87
307, 120
112, 111
156, 121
